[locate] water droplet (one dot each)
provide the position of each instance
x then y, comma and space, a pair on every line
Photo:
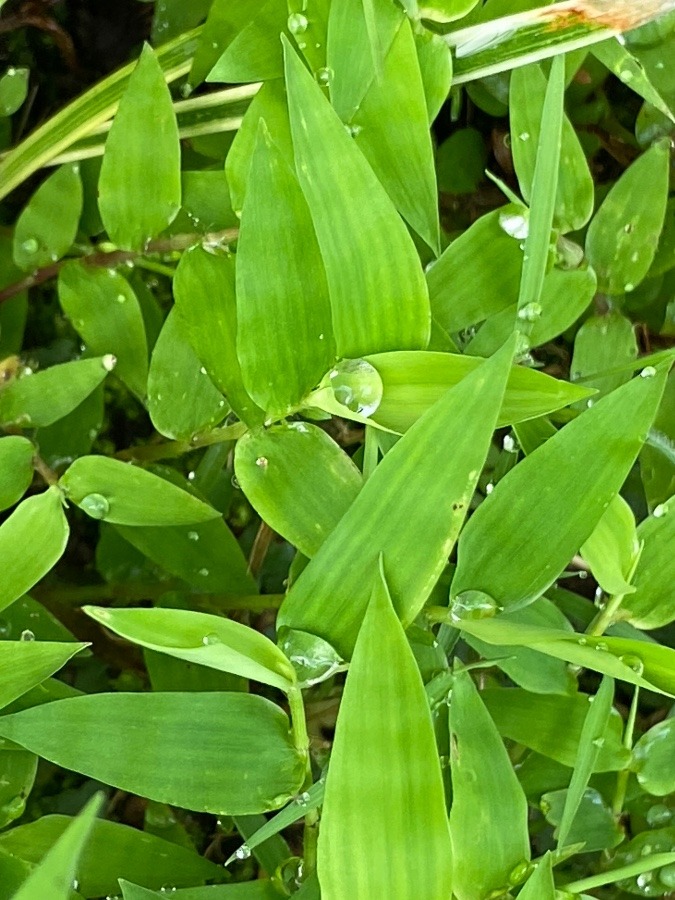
203, 572
192, 536
324, 75
520, 872
297, 23
303, 798
95, 505
633, 662
524, 136
601, 645
626, 75
598, 742
628, 287
648, 372
515, 224
489, 488
530, 312
211, 638
191, 476
667, 876
645, 880
242, 852
313, 659
5, 628
121, 298
509, 444
321, 337
262, 462
354, 130
357, 385
27, 635
522, 345
658, 815
660, 511
473, 605
30, 245
109, 362
11, 71
186, 90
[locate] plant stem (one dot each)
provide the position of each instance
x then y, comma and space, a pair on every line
172, 449
637, 868
371, 452
301, 741
624, 774
41, 467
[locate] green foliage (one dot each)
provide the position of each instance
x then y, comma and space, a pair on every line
355, 579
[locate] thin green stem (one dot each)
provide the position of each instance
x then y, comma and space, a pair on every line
173, 449
637, 868
624, 774
371, 452
610, 613
48, 475
301, 742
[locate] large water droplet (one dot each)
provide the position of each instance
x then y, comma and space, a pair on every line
243, 852
660, 511
667, 876
648, 372
357, 385
27, 635
473, 605
313, 659
95, 505
658, 815
297, 23
633, 662
515, 222
109, 362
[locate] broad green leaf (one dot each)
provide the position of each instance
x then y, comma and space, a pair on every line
654, 759
624, 234
349, 55
75, 433
32, 540
13, 89
55, 875
13, 873
254, 54
603, 342
657, 466
27, 614
104, 310
391, 128
414, 381
540, 885
412, 491
204, 291
575, 193
40, 399
576, 286
113, 851
613, 547
47, 227
25, 664
488, 816
384, 778
299, 481
224, 21
203, 639
310, 32
139, 189
182, 399
594, 824
17, 777
591, 740
477, 275
643, 663
461, 161
284, 328
127, 495
206, 203
652, 604
551, 725
587, 461
206, 555
379, 301
16, 469
243, 890
224, 753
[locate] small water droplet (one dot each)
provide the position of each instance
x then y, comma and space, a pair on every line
121, 298
524, 136
11, 71
95, 505
242, 852
262, 462
192, 536
109, 362
297, 23
598, 742
354, 130
648, 372
324, 75
628, 287
5, 628
27, 635
626, 75
211, 638
473, 605
191, 476
186, 90
509, 444
357, 385
204, 572
644, 880
30, 245
530, 312
633, 662
658, 815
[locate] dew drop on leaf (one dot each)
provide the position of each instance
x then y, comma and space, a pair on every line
357, 385
95, 505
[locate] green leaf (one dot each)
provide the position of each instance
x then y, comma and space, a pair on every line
222, 25
551, 724
127, 495
591, 740
203, 639
623, 237
281, 288
13, 89
654, 759
414, 381
204, 291
16, 469
391, 128
299, 481
575, 193
613, 547
436, 70
603, 342
224, 753
540, 884
254, 54
412, 491
182, 399
113, 851
445, 10
32, 540
488, 816
588, 461
17, 777
55, 875
243, 890
477, 275
627, 68
384, 777
43, 398
206, 555
104, 310
47, 227
652, 604
379, 302
25, 664
140, 190
594, 824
